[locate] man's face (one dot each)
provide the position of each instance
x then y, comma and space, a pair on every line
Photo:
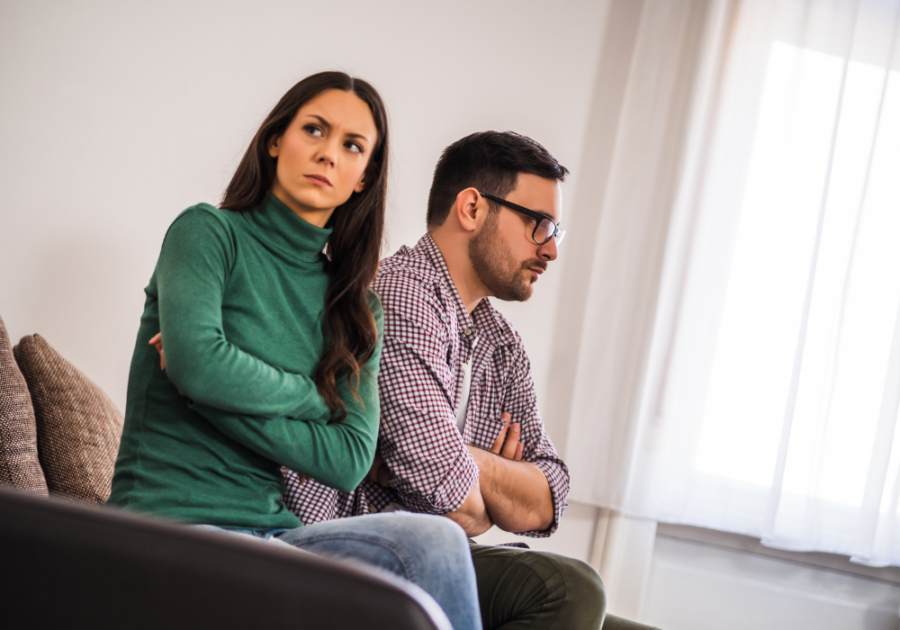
504, 255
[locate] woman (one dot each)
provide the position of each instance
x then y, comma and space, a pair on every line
272, 344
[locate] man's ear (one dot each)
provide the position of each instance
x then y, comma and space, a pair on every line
273, 146
361, 186
467, 209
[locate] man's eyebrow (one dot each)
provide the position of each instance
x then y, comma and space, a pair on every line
327, 125
550, 216
544, 213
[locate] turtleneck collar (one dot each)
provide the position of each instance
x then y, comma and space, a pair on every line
276, 225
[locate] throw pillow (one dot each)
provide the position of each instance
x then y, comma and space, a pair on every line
78, 426
19, 464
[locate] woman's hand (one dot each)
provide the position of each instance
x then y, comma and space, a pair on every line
379, 472
156, 341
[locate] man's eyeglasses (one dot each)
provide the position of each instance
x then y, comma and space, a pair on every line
546, 227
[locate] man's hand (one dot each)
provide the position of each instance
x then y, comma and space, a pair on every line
473, 515
525, 506
379, 472
507, 443
157, 342
516, 494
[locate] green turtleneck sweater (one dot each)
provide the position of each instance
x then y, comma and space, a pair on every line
239, 299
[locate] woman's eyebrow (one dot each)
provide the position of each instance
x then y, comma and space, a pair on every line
327, 125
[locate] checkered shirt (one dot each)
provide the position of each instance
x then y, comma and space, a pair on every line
428, 334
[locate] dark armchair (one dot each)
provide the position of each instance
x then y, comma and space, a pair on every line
66, 565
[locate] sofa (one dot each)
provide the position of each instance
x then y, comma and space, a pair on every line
71, 562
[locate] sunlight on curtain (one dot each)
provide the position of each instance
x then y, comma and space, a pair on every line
834, 407
774, 384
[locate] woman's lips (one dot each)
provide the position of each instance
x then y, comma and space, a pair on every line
321, 180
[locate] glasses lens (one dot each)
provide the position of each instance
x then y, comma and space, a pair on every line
560, 236
544, 231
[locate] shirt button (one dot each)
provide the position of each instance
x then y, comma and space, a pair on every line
467, 331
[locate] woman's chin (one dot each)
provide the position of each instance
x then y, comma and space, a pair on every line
304, 202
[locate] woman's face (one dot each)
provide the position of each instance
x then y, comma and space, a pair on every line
322, 155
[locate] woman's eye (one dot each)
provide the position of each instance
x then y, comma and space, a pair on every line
312, 130
355, 148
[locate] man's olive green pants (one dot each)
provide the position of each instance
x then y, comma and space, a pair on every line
521, 589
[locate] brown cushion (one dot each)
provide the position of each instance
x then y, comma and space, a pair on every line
78, 426
19, 465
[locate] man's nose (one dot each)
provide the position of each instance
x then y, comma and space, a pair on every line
548, 250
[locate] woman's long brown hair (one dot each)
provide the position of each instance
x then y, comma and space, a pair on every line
355, 244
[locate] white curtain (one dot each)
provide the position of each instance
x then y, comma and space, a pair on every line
743, 373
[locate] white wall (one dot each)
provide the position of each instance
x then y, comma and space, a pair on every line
116, 116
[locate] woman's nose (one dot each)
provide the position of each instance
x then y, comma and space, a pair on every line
328, 153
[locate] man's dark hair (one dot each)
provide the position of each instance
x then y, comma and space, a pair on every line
491, 162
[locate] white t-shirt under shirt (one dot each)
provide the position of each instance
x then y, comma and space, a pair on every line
467, 385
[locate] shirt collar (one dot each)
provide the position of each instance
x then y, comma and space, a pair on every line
485, 320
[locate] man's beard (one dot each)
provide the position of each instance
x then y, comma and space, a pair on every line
497, 269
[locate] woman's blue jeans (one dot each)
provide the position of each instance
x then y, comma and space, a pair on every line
432, 552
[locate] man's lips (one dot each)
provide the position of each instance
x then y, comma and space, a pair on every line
536, 268
319, 179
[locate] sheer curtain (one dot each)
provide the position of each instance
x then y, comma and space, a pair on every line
766, 389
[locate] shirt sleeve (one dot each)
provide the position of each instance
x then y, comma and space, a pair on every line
336, 454
193, 269
521, 403
430, 467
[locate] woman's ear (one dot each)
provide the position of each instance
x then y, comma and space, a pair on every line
273, 146
361, 186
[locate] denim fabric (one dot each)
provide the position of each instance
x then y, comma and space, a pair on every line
431, 552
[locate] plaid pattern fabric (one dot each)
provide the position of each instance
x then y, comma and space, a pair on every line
428, 334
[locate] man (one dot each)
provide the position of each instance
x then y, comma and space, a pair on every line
461, 434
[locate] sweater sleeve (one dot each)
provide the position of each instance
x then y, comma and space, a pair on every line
194, 264
336, 454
